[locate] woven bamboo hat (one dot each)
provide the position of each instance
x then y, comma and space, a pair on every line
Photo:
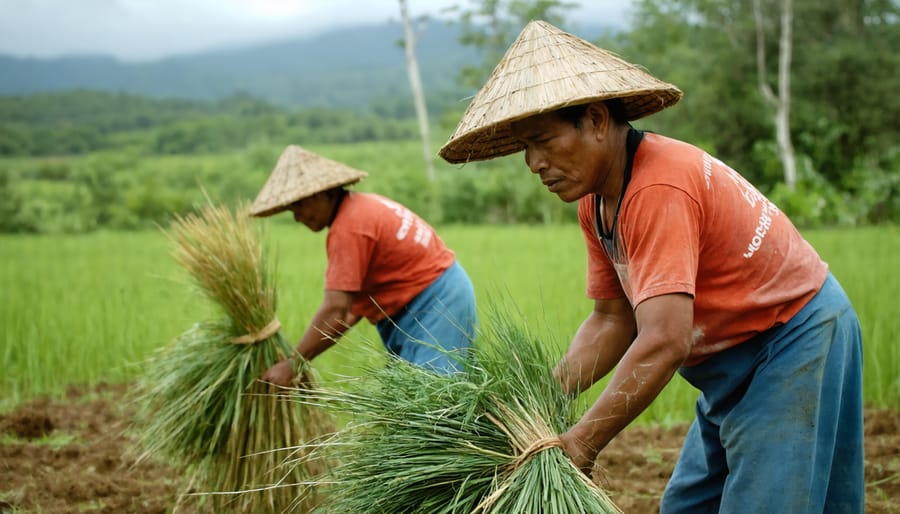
299, 174
546, 69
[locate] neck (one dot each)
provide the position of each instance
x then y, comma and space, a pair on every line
615, 173
337, 197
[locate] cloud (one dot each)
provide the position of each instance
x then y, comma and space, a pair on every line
152, 29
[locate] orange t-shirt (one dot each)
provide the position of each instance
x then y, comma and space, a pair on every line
690, 224
383, 253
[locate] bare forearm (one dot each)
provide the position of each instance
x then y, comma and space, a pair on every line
663, 342
326, 327
596, 348
315, 342
638, 380
329, 323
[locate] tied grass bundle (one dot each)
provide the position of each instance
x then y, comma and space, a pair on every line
482, 441
201, 404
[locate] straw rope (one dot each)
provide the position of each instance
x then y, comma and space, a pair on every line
254, 337
529, 436
537, 446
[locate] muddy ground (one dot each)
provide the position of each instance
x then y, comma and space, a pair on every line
72, 455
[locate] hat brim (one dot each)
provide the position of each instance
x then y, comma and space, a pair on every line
300, 174
496, 139
289, 200
546, 69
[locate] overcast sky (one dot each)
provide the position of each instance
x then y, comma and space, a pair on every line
152, 29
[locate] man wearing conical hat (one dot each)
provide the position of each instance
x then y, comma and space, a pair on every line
385, 264
692, 271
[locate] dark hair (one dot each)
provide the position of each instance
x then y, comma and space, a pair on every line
572, 114
575, 113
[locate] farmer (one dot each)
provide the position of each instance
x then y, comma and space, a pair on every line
384, 263
691, 270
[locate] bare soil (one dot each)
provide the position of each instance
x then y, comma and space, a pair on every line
74, 455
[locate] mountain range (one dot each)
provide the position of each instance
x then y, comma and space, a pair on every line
350, 68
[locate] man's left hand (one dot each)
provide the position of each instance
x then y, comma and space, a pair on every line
581, 453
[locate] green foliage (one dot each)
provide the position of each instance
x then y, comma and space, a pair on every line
78, 122
129, 190
123, 190
499, 191
10, 205
875, 192
845, 82
869, 194
82, 122
843, 111
721, 110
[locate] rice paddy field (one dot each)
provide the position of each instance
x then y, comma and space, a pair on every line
80, 314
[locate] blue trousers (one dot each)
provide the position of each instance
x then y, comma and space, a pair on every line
779, 426
436, 329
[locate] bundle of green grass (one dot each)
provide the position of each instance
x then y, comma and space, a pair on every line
481, 441
201, 405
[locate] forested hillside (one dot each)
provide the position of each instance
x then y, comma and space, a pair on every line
84, 121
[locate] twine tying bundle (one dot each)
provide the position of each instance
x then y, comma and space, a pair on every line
254, 337
529, 436
537, 446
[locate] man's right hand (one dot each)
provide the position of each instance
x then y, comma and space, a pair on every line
281, 374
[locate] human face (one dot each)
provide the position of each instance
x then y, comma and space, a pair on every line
569, 159
314, 211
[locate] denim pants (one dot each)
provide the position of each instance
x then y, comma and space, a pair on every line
436, 329
779, 426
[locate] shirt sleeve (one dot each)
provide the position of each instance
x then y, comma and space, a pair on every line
349, 254
661, 235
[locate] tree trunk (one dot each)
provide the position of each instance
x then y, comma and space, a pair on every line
782, 102
415, 83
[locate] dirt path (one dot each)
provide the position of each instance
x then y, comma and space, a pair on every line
73, 456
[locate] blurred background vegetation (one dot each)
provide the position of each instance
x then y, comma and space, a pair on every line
94, 143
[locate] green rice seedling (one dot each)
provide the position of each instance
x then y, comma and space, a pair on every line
482, 441
201, 403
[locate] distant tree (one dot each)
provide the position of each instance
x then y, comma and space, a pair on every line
415, 83
10, 205
843, 109
781, 101
846, 82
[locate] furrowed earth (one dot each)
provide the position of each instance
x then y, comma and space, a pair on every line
74, 455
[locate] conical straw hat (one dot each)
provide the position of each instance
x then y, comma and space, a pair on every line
299, 174
546, 69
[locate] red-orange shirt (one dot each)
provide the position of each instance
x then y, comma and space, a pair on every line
383, 253
690, 224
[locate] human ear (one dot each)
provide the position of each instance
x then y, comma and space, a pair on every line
601, 120
598, 114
